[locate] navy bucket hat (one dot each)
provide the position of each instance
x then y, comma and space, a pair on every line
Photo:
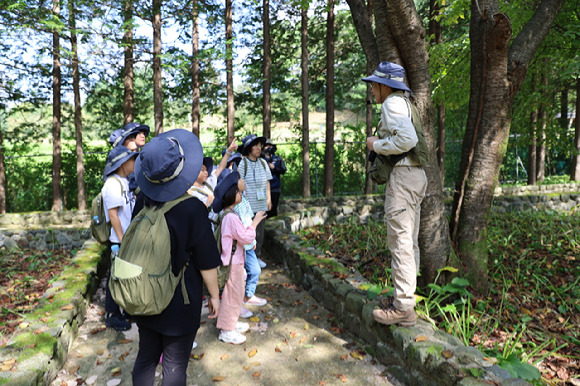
389, 74
250, 141
226, 180
117, 157
169, 164
119, 136
208, 162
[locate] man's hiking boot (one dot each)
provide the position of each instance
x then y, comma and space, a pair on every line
386, 302
393, 316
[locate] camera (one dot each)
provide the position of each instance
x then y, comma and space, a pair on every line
372, 156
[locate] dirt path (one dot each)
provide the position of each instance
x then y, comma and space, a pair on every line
292, 341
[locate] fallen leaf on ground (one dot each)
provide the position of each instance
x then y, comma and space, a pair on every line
197, 357
246, 368
218, 378
69, 307
277, 349
224, 357
303, 340
253, 352
116, 371
254, 319
124, 341
97, 330
255, 364
293, 334
306, 326
421, 338
343, 357
256, 374
447, 354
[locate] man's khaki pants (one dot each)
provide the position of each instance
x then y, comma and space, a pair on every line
404, 192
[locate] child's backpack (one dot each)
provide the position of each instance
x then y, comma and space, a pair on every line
223, 271
100, 227
141, 280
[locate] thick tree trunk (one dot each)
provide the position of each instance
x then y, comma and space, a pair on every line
305, 110
157, 86
329, 150
128, 85
564, 123
497, 73
435, 33
575, 166
369, 110
56, 116
402, 40
195, 103
229, 71
81, 201
266, 107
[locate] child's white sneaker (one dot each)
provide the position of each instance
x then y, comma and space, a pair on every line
245, 313
242, 327
232, 336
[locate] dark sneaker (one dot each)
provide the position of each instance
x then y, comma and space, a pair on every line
393, 316
117, 322
386, 302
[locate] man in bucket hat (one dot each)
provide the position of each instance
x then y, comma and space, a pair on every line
165, 168
118, 201
405, 190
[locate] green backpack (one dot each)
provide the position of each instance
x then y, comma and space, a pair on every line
382, 166
100, 227
141, 280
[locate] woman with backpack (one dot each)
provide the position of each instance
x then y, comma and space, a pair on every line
165, 168
234, 235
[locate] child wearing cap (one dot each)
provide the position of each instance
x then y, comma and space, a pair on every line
118, 201
228, 195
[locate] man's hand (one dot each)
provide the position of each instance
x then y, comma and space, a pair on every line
371, 142
214, 307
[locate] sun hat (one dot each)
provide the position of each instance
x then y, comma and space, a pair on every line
117, 157
269, 142
250, 141
208, 162
236, 157
390, 74
226, 180
119, 136
169, 164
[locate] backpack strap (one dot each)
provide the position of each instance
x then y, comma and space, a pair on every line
235, 243
245, 161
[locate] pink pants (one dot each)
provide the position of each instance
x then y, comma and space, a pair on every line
232, 297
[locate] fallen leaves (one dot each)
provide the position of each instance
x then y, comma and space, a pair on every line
252, 352
8, 364
218, 378
421, 338
224, 357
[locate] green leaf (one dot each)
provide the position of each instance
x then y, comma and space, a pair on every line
374, 291
517, 369
448, 269
435, 288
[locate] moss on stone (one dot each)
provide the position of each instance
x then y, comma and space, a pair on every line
31, 344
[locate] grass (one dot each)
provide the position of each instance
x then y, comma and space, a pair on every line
531, 315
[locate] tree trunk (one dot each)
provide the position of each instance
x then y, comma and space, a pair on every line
305, 109
329, 149
157, 87
575, 166
369, 110
2, 164
541, 128
229, 71
81, 201
532, 148
195, 104
267, 108
56, 116
497, 74
128, 86
435, 31
403, 41
564, 110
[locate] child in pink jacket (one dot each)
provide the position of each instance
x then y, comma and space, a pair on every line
227, 196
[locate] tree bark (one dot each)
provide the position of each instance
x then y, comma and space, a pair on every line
369, 110
267, 108
404, 29
157, 86
541, 144
229, 71
329, 149
2, 163
435, 34
56, 116
575, 166
564, 110
195, 103
305, 110
532, 148
81, 201
128, 85
497, 73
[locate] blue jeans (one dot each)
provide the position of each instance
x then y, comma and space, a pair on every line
253, 270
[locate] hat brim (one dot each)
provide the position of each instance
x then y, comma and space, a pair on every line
246, 148
208, 162
193, 158
110, 168
387, 82
221, 189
